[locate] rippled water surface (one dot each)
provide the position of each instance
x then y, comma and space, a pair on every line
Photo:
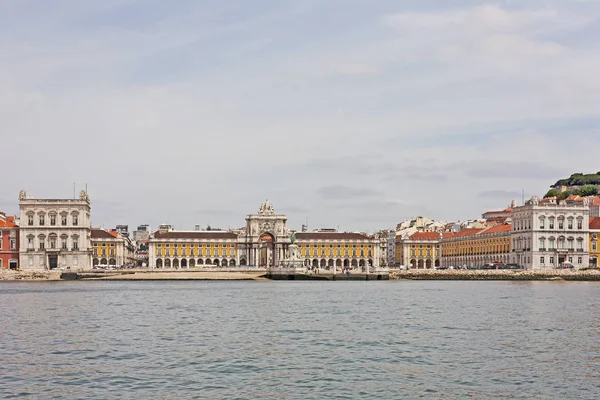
300, 340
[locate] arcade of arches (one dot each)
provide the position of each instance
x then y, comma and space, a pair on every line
263, 242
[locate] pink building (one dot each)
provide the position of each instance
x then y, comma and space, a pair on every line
9, 242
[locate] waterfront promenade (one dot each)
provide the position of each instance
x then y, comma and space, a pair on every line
498, 275
260, 274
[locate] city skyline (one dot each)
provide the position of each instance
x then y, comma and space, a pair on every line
354, 113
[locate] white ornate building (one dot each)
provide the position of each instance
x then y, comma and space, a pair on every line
54, 233
547, 234
263, 242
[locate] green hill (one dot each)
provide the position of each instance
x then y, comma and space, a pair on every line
578, 183
578, 179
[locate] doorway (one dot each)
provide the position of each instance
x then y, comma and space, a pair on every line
53, 261
266, 250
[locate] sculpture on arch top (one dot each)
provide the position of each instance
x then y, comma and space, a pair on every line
266, 209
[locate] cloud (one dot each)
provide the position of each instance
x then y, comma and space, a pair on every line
175, 110
511, 170
356, 69
500, 194
345, 192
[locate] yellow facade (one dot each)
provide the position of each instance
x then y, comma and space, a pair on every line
104, 249
476, 247
594, 247
335, 250
420, 250
195, 250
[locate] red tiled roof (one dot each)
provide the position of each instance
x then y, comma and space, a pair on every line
595, 223
331, 236
7, 221
425, 236
7, 224
595, 201
102, 234
497, 229
508, 210
195, 235
468, 232
574, 197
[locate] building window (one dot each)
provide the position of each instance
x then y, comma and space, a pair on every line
579, 244
561, 243
551, 223
542, 260
75, 243
63, 219
579, 224
570, 243
571, 260
13, 244
570, 223
542, 244
561, 224
30, 220
42, 243
52, 219
75, 220
42, 220
542, 222
552, 260
579, 260
551, 243
30, 243
594, 245
63, 243
52, 243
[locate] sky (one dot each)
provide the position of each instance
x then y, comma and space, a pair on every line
351, 114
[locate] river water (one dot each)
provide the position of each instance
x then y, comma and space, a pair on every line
300, 340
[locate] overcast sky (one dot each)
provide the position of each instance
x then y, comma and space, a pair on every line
354, 114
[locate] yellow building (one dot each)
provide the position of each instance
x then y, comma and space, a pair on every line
339, 249
187, 249
594, 239
477, 247
111, 249
420, 250
264, 242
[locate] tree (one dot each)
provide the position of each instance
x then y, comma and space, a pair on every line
552, 193
588, 190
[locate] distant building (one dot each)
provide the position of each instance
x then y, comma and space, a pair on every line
391, 248
111, 249
420, 250
9, 242
54, 233
142, 233
594, 206
551, 234
123, 230
594, 239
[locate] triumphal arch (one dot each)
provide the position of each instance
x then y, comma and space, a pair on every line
266, 237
